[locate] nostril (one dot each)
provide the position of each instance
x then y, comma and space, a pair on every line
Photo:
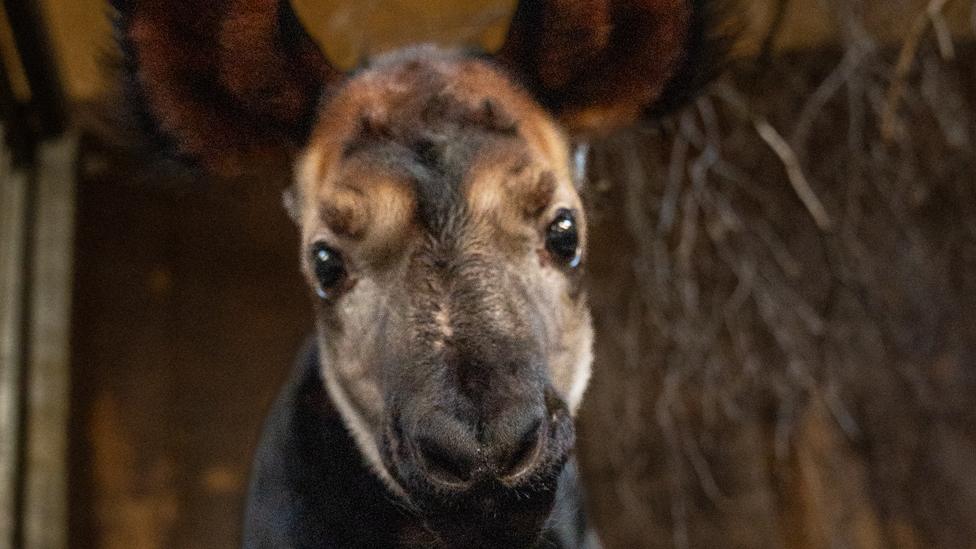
444, 464
526, 451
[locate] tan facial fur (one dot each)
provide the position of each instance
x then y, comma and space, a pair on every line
367, 208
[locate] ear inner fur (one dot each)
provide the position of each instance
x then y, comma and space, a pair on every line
223, 79
602, 64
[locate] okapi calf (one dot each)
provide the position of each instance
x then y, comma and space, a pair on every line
443, 239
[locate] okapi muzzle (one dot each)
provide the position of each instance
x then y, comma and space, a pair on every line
468, 399
475, 432
443, 239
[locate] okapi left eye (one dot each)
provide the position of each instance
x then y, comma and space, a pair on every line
562, 238
330, 270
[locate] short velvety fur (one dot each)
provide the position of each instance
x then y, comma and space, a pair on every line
600, 64
223, 79
711, 33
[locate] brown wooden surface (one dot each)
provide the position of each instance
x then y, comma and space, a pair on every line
13, 218
188, 310
46, 401
36, 230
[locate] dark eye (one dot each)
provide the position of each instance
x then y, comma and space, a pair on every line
330, 270
562, 238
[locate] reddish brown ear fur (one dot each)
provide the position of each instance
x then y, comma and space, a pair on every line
600, 64
222, 80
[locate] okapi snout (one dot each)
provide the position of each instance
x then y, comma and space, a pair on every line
452, 455
500, 472
480, 415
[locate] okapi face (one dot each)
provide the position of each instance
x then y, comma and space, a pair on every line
441, 225
443, 236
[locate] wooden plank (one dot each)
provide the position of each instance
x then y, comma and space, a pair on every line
45, 495
13, 203
188, 311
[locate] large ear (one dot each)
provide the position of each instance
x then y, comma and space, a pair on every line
601, 64
221, 80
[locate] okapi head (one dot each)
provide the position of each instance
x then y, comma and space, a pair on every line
442, 232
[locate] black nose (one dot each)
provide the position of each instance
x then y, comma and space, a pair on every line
455, 454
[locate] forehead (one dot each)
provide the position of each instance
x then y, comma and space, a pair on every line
417, 127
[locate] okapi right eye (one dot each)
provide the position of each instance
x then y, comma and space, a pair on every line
330, 270
562, 238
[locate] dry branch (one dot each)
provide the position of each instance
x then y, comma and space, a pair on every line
758, 311
795, 173
906, 59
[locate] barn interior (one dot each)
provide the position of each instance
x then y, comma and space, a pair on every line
783, 278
